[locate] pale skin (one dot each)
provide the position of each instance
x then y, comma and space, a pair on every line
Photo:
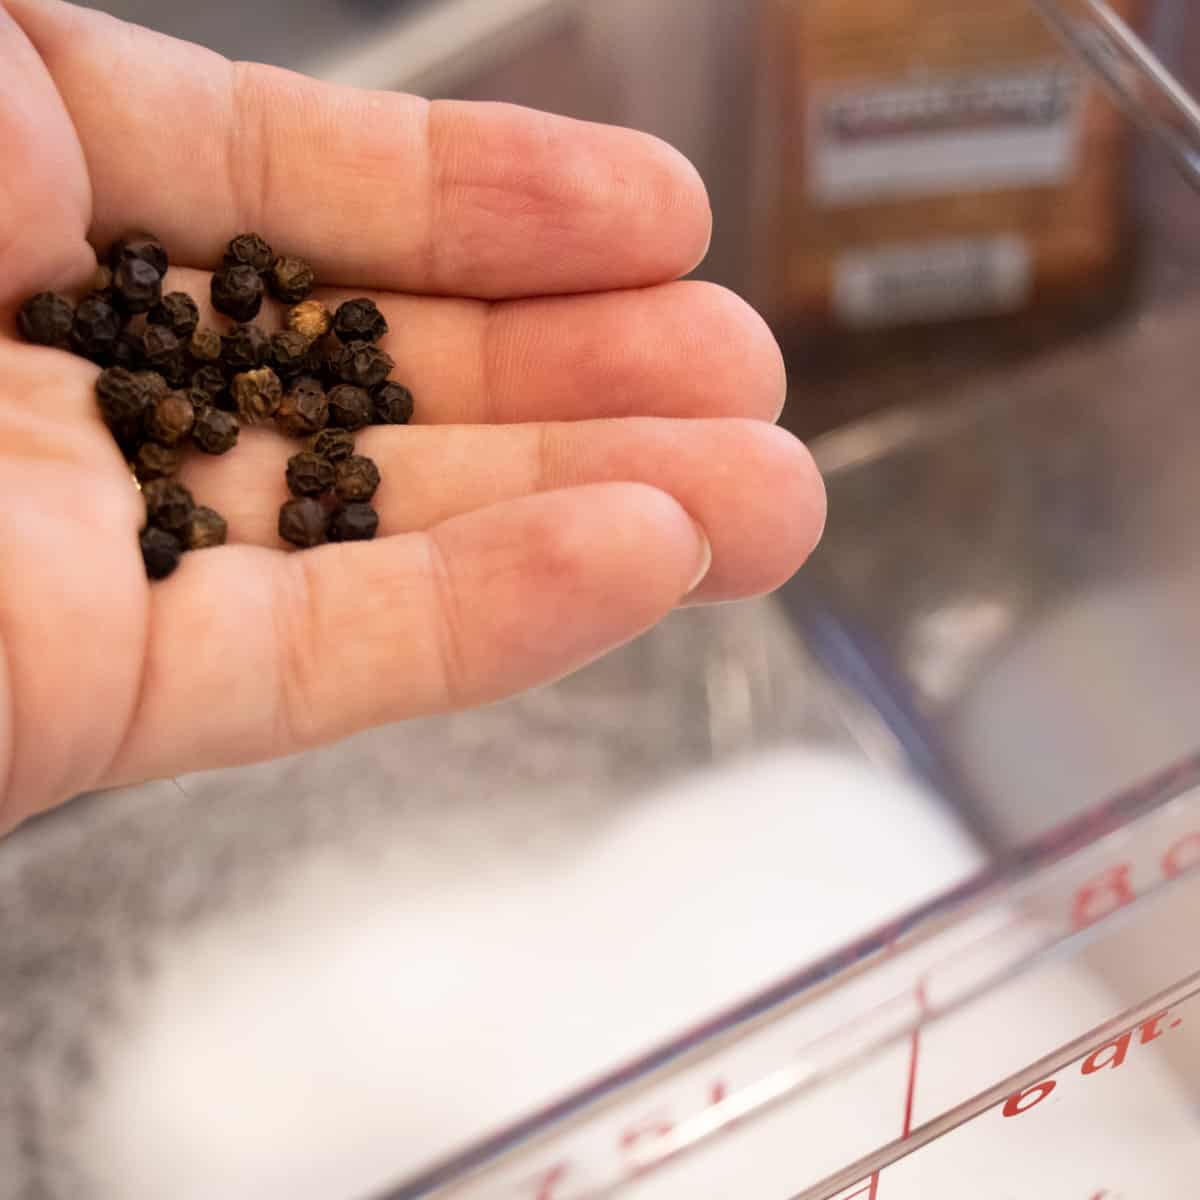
596, 441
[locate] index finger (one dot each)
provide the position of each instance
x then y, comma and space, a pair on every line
375, 188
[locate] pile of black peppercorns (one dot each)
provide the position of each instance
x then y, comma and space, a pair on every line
169, 382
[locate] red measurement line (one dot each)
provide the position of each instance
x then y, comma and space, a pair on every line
914, 1055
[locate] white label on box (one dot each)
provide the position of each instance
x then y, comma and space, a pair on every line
944, 134
932, 281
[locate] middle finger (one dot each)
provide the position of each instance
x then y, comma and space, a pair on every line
686, 349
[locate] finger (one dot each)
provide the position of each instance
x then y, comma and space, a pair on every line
300, 649
376, 188
751, 486
45, 202
685, 349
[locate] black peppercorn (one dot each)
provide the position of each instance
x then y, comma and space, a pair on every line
137, 286
96, 328
123, 401
161, 551
362, 364
391, 404
249, 250
333, 444
359, 321
169, 505
205, 345
215, 431
205, 527
356, 479
178, 312
162, 351
303, 522
245, 347
304, 408
349, 407
210, 381
46, 320
256, 394
311, 319
309, 474
154, 385
127, 350
171, 419
354, 523
237, 292
143, 246
153, 461
290, 279
292, 354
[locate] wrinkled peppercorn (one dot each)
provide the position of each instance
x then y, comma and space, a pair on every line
250, 250
143, 246
153, 461
256, 394
290, 279
211, 382
161, 551
391, 404
162, 351
245, 347
123, 401
359, 321
127, 350
178, 312
349, 407
303, 522
356, 479
153, 383
168, 504
237, 292
96, 328
171, 419
205, 527
354, 523
102, 278
205, 345
310, 318
304, 408
46, 320
309, 474
292, 354
137, 286
333, 444
362, 364
215, 431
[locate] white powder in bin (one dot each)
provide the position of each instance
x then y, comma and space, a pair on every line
323, 1051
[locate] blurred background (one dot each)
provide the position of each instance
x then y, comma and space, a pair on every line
985, 282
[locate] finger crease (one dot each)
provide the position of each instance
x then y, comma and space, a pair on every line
297, 615
8, 734
141, 692
489, 373
434, 189
248, 161
448, 624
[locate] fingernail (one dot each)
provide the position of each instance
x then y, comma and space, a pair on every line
706, 558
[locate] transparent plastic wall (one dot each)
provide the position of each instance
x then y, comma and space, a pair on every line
1036, 1031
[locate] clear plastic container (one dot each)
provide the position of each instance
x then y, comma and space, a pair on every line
879, 890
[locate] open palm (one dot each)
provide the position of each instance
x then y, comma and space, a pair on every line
588, 427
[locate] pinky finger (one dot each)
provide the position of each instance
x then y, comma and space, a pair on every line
255, 654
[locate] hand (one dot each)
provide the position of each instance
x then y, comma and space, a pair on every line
588, 428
